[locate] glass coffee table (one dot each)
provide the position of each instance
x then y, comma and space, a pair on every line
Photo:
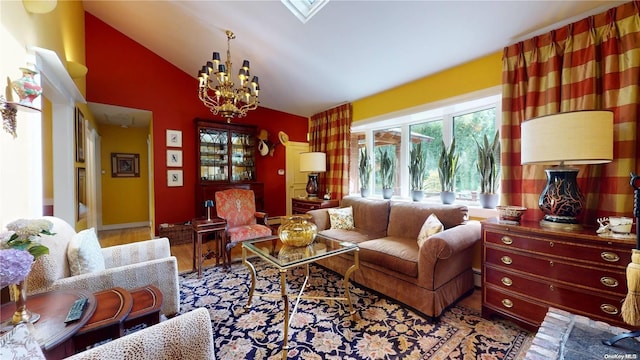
282, 257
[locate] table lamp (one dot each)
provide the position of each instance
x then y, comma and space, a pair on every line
570, 138
208, 204
313, 163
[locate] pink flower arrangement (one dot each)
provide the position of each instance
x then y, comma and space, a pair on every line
16, 265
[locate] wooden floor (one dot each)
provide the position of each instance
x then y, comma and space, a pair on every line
184, 254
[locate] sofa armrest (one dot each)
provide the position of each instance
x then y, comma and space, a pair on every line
140, 251
320, 217
446, 244
188, 336
163, 273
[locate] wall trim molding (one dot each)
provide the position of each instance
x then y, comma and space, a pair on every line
125, 225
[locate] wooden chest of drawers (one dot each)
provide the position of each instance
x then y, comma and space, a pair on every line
301, 206
526, 269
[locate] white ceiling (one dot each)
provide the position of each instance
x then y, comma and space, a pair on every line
347, 51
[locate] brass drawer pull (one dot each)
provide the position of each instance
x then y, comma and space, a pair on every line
552, 288
551, 263
507, 303
551, 244
607, 281
609, 309
506, 281
609, 256
507, 240
506, 260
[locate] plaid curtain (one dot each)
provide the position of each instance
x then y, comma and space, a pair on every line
330, 133
592, 64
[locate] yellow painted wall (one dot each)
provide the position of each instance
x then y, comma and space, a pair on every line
62, 31
475, 75
479, 74
124, 200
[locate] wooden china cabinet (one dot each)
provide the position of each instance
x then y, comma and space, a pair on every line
226, 159
527, 268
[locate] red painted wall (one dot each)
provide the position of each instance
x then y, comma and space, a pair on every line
124, 73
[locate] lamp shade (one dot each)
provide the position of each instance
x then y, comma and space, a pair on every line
575, 138
313, 162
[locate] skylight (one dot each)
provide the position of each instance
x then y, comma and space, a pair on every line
304, 9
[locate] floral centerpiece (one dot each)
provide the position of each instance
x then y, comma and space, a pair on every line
20, 247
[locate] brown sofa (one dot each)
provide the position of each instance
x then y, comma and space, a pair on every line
427, 278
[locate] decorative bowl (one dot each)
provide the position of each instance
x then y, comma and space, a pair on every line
297, 230
510, 213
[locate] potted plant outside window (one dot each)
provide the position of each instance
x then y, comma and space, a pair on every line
489, 169
417, 165
364, 169
447, 167
387, 172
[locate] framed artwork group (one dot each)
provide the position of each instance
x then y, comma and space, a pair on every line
174, 158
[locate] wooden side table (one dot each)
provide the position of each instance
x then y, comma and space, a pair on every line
107, 322
201, 228
302, 205
147, 302
52, 333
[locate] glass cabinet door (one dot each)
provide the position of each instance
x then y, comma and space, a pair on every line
242, 157
214, 152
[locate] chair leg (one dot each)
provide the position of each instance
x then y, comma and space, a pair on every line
227, 255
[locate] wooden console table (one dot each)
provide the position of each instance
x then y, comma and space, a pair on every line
107, 322
302, 205
51, 332
526, 269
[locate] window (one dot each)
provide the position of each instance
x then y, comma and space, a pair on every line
468, 120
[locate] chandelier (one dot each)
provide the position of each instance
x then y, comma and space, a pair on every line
218, 92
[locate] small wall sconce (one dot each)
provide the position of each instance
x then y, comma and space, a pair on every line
39, 6
208, 204
76, 70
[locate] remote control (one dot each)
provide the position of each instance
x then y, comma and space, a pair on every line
76, 310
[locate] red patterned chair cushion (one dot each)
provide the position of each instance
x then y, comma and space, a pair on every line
238, 208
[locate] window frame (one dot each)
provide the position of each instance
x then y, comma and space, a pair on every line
445, 110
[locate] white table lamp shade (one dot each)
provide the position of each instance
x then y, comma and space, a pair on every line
313, 162
575, 138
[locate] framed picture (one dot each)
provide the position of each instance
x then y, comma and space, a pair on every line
174, 138
79, 134
81, 194
174, 178
174, 158
125, 165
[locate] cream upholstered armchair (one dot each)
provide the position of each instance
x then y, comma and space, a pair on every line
187, 336
238, 208
76, 261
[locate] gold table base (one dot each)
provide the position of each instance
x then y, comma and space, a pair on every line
285, 296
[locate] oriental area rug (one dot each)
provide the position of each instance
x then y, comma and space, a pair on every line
323, 329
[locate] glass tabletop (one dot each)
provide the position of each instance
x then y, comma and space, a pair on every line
282, 256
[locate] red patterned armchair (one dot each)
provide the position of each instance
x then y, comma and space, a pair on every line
238, 208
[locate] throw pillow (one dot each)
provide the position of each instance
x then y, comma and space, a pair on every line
341, 218
84, 253
19, 343
430, 227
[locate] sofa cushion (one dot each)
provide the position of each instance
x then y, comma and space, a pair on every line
397, 254
84, 253
406, 219
20, 344
430, 227
369, 215
341, 218
355, 236
53, 266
